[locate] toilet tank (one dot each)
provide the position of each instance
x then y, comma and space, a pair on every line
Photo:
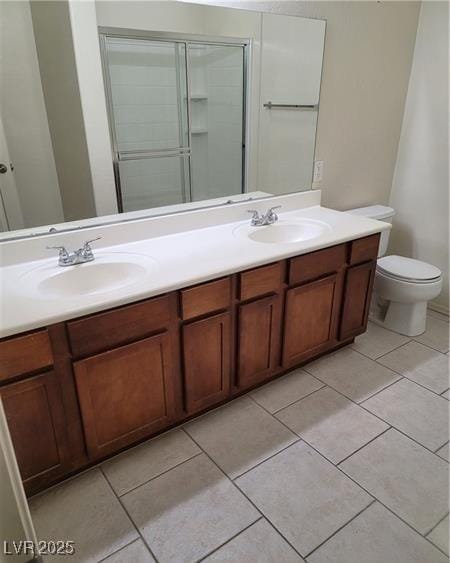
381, 213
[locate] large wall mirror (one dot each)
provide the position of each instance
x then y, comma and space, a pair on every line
115, 110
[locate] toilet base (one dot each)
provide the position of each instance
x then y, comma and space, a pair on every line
409, 319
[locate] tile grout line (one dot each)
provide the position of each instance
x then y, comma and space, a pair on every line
429, 346
381, 355
229, 540
245, 496
366, 398
369, 442
298, 439
358, 484
158, 475
376, 360
129, 516
331, 461
436, 525
361, 404
440, 448
117, 551
374, 500
385, 421
290, 404
412, 380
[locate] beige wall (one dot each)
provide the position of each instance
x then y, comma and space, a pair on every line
367, 62
52, 30
420, 188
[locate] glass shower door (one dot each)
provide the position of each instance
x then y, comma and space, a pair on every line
147, 87
216, 76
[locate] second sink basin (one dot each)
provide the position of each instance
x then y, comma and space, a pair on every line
284, 231
108, 272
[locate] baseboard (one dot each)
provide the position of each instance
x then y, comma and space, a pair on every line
439, 308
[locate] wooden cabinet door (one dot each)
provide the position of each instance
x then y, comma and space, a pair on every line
125, 394
207, 361
310, 319
35, 415
259, 337
357, 294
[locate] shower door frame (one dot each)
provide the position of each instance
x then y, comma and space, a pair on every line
183, 152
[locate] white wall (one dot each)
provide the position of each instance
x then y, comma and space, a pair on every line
25, 118
367, 62
55, 51
420, 190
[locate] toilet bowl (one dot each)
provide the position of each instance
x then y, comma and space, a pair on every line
402, 289
402, 286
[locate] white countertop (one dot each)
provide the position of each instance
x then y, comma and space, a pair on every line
180, 260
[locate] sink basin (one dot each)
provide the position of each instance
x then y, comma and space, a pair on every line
108, 272
283, 232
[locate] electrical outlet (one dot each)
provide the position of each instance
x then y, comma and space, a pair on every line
318, 171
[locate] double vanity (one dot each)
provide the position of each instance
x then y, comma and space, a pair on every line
177, 319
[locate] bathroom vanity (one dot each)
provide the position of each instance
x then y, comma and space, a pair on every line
81, 389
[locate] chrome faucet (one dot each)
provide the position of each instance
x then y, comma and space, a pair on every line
268, 218
80, 256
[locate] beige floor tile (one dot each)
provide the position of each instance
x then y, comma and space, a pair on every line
352, 374
239, 435
440, 535
377, 536
377, 341
436, 334
286, 390
420, 364
444, 452
134, 467
136, 552
304, 496
438, 315
189, 511
446, 395
332, 424
408, 479
86, 511
258, 544
417, 412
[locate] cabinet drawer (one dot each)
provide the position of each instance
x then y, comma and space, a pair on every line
120, 326
364, 249
320, 263
260, 281
205, 298
25, 354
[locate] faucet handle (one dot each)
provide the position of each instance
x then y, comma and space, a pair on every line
275, 207
88, 242
62, 250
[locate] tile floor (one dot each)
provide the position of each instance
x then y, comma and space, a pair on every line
343, 461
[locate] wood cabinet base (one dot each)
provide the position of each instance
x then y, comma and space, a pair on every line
78, 392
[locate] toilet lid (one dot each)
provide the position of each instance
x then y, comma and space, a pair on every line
407, 268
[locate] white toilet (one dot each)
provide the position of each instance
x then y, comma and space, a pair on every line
402, 286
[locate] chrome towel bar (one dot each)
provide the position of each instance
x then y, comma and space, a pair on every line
270, 105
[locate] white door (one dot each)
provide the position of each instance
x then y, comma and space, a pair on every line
10, 211
291, 67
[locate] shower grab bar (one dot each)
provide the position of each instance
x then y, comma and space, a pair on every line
270, 105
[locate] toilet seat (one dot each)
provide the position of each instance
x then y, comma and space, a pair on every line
408, 270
